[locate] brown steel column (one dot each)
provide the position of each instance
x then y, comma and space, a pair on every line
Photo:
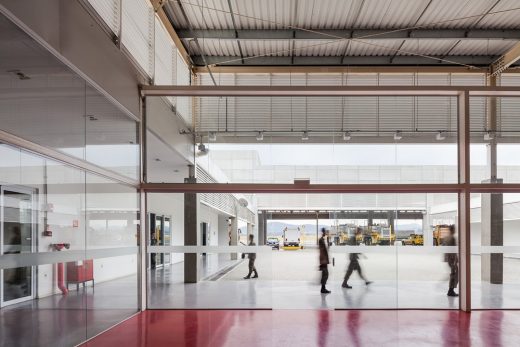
191, 231
492, 205
464, 202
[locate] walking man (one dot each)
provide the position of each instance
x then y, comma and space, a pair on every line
252, 258
324, 260
453, 262
354, 266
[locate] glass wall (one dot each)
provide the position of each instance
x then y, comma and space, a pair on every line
68, 251
46, 103
495, 250
385, 251
68, 238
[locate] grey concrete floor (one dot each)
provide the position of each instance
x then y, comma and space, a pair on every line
290, 280
67, 320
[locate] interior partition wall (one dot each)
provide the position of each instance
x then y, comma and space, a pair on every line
473, 140
69, 201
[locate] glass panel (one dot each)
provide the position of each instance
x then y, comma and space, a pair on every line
495, 138
112, 140
495, 250
112, 223
392, 248
41, 209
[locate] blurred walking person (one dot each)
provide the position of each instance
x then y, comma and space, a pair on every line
252, 258
354, 266
324, 260
453, 262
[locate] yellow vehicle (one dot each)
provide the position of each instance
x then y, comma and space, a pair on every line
386, 235
341, 234
439, 233
414, 240
368, 236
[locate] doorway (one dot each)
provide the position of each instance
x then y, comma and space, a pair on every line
17, 236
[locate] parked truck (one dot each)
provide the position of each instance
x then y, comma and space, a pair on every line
439, 233
292, 238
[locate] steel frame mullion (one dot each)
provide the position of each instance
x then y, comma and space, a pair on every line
464, 201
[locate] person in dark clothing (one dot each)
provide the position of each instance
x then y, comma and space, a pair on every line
324, 260
453, 262
354, 266
252, 258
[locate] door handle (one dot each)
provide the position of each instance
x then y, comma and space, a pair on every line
28, 238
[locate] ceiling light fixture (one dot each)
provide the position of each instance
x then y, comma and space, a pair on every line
440, 136
398, 135
346, 136
212, 136
260, 136
305, 136
489, 135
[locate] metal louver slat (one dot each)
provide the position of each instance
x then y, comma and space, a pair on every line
163, 56
509, 114
109, 11
183, 75
137, 34
435, 113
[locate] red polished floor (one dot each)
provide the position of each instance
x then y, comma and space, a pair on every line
314, 328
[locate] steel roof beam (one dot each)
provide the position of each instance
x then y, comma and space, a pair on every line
482, 60
329, 34
506, 60
241, 91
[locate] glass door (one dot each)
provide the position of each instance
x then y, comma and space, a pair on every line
167, 239
17, 236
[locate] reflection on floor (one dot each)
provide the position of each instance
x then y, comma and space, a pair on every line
60, 320
314, 328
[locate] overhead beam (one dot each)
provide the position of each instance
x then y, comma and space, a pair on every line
328, 34
241, 91
342, 69
473, 60
322, 188
506, 60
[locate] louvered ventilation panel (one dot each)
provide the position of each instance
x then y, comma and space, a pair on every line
138, 32
369, 115
109, 11
183, 104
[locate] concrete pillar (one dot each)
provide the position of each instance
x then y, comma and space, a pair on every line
262, 228
428, 222
191, 231
492, 234
234, 236
370, 217
391, 220
492, 222
223, 231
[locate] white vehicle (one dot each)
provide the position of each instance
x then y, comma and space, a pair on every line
292, 238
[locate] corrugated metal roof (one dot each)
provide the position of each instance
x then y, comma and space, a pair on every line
218, 47
320, 48
427, 47
373, 47
482, 47
502, 20
340, 14
269, 47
